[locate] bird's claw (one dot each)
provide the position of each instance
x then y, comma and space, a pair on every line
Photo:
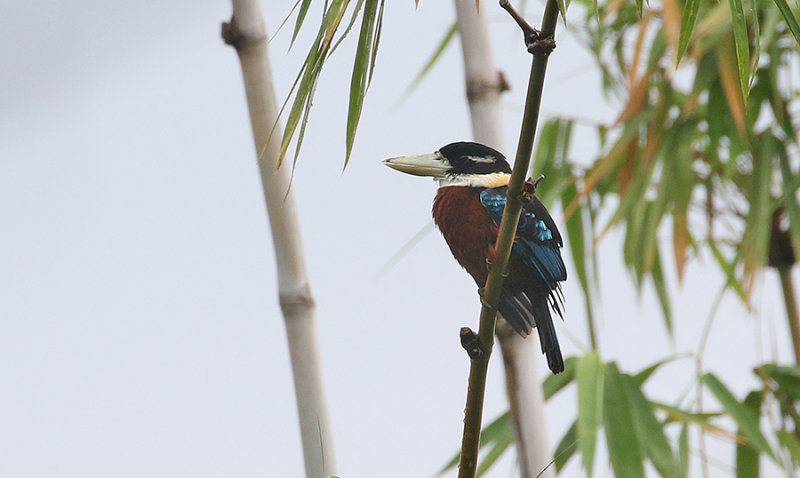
529, 189
484, 302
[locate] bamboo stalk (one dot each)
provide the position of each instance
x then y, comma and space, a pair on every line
508, 225
246, 32
792, 316
484, 87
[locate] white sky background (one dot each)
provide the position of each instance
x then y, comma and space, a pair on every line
140, 332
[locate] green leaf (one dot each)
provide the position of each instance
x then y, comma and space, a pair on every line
301, 15
589, 376
661, 290
576, 233
562, 8
688, 17
650, 431
755, 238
498, 433
566, 446
624, 451
362, 68
683, 450
443, 44
305, 84
645, 374
740, 412
791, 443
791, 20
787, 378
554, 383
747, 457
676, 414
742, 42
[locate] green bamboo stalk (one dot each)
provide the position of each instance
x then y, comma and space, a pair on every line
473, 412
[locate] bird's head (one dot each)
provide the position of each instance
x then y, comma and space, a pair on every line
458, 164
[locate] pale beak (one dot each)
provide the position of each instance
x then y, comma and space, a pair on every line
431, 164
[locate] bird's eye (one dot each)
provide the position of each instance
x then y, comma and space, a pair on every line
481, 159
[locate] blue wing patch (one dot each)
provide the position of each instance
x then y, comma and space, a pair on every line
534, 245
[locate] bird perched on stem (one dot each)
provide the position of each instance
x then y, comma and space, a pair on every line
473, 184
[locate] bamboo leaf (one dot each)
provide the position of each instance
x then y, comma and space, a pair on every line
304, 86
688, 17
645, 374
576, 232
589, 376
740, 412
440, 49
624, 451
566, 446
683, 450
554, 383
562, 8
499, 435
650, 431
661, 290
499, 431
789, 17
791, 443
731, 85
742, 45
301, 16
755, 238
747, 457
362, 69
676, 414
786, 378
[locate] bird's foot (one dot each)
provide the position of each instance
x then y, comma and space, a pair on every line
484, 302
529, 189
471, 343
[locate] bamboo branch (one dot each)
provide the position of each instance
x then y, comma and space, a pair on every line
508, 225
484, 86
247, 34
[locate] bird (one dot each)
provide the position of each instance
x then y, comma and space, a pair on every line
473, 185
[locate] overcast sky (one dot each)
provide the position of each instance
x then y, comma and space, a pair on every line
140, 332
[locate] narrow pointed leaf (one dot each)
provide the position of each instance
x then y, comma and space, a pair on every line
789, 17
301, 16
566, 446
688, 17
645, 374
742, 45
589, 376
652, 439
554, 383
498, 430
624, 450
747, 457
740, 412
790, 442
440, 49
683, 450
660, 284
361, 72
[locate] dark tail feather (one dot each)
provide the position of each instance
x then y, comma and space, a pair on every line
547, 335
516, 309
